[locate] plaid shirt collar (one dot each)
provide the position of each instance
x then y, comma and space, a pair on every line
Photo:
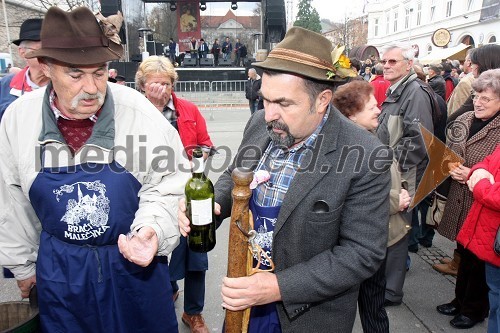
58, 113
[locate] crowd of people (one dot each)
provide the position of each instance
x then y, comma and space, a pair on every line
92, 216
200, 49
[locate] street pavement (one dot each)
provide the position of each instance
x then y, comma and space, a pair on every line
424, 288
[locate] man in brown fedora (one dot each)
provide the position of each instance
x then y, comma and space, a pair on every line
321, 206
31, 77
91, 176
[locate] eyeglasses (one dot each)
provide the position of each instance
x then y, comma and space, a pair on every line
482, 99
391, 62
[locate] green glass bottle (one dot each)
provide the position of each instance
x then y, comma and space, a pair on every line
200, 207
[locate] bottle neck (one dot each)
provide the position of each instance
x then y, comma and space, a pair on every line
198, 167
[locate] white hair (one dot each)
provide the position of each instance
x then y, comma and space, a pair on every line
406, 50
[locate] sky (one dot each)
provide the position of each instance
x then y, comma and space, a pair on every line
327, 9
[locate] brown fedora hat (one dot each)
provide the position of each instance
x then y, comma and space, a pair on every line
30, 30
305, 53
75, 38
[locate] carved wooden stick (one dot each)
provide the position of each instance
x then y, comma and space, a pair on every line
238, 245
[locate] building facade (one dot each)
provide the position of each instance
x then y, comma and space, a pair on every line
246, 28
471, 22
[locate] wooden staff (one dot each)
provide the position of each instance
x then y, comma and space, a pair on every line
238, 243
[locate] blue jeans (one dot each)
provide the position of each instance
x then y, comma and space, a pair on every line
493, 281
194, 291
254, 105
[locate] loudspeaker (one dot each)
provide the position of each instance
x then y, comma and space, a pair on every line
275, 21
136, 57
206, 62
110, 7
159, 49
151, 48
189, 62
225, 62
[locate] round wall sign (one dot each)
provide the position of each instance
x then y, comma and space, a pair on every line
441, 37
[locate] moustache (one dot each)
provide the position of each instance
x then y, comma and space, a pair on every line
88, 96
277, 125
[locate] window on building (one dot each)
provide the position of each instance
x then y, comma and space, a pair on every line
407, 18
387, 22
448, 8
375, 27
470, 3
429, 49
419, 13
492, 39
433, 9
395, 19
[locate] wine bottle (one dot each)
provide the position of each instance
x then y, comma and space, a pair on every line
200, 207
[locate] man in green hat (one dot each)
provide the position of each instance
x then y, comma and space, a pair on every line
320, 196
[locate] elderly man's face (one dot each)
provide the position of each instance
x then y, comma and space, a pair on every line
396, 66
80, 89
290, 116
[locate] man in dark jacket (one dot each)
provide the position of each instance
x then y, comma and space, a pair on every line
321, 216
216, 51
407, 106
436, 81
252, 88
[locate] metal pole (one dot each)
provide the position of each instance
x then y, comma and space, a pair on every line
8, 32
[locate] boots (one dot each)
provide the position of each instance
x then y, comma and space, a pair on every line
450, 268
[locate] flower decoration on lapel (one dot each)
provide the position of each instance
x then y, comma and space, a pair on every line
259, 177
341, 64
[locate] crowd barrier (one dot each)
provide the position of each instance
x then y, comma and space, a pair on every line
214, 95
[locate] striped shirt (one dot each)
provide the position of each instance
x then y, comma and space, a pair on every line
282, 164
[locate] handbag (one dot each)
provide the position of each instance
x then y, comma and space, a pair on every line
436, 210
496, 245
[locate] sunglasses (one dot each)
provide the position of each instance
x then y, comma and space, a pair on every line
391, 62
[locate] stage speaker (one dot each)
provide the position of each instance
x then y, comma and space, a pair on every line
189, 62
110, 7
151, 48
136, 57
206, 62
274, 21
225, 62
159, 49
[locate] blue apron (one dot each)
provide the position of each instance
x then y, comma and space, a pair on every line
84, 283
264, 318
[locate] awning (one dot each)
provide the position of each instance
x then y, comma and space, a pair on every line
457, 52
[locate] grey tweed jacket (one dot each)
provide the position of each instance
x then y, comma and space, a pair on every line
331, 232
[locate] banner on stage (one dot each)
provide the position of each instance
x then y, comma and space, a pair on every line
188, 23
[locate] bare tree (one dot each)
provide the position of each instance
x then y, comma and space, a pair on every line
94, 5
163, 22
